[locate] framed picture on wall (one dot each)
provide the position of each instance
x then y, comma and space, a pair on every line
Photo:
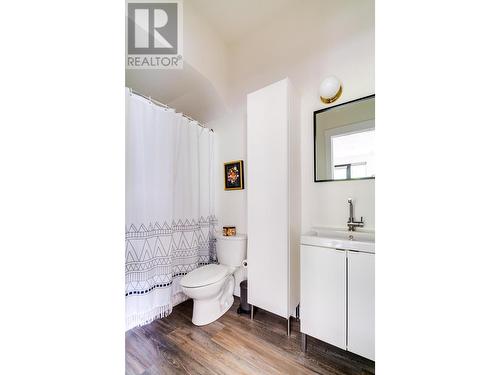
233, 175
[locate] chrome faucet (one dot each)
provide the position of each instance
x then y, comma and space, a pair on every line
351, 223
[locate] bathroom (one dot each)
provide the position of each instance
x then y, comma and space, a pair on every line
215, 195
273, 201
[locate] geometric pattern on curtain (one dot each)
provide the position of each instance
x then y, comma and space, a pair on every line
156, 254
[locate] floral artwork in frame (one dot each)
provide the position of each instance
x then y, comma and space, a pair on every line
233, 175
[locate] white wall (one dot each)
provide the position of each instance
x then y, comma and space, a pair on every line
230, 144
308, 42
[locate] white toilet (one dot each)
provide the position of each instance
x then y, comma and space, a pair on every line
211, 286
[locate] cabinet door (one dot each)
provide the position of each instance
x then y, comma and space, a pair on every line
323, 294
361, 304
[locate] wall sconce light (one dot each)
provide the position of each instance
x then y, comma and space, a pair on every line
330, 89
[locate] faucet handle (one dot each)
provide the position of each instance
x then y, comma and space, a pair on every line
361, 218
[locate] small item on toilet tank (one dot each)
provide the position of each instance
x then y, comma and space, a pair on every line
229, 231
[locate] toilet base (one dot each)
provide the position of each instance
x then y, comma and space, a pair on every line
209, 310
211, 306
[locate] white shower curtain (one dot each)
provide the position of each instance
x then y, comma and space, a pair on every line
169, 207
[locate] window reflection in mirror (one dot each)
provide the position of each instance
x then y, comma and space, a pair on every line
345, 141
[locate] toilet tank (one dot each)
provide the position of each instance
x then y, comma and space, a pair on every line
231, 250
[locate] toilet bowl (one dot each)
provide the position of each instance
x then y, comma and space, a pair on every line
211, 287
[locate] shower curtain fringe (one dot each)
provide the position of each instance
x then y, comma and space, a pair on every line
158, 312
147, 317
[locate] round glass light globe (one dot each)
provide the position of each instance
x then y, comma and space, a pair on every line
330, 89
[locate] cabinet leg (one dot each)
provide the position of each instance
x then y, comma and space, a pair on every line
304, 342
288, 326
251, 312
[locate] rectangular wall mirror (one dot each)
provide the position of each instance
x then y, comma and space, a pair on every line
344, 141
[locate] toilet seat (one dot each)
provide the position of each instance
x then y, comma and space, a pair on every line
205, 275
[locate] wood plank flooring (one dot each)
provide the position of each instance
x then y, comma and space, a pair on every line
232, 345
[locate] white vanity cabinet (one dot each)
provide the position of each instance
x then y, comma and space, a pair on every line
337, 303
323, 294
361, 303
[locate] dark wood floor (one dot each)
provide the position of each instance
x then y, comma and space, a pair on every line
232, 345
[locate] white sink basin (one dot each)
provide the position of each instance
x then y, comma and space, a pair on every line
340, 239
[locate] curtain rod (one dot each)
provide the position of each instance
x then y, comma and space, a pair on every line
166, 106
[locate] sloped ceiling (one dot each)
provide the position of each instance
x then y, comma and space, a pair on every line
185, 90
232, 20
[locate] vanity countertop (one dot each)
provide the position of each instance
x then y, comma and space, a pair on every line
363, 240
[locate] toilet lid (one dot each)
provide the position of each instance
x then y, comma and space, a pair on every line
206, 275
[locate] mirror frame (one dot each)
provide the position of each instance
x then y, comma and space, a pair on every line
314, 139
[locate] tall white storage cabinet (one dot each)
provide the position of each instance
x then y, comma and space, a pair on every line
273, 183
